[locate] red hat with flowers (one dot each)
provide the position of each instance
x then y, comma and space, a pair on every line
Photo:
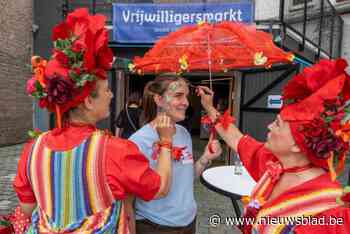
80, 57
317, 107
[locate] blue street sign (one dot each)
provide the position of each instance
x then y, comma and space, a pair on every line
147, 22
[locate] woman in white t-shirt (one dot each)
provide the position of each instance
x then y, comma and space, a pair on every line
176, 212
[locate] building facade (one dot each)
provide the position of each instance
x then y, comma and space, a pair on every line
343, 7
312, 29
15, 52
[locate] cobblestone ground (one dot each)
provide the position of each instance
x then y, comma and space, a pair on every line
9, 156
209, 203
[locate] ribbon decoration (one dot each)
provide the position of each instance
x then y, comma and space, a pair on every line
225, 120
176, 152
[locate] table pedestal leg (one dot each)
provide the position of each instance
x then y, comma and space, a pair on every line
236, 207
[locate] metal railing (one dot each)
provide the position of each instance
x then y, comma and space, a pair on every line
315, 23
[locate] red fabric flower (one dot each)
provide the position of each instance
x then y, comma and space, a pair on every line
55, 68
275, 170
313, 78
61, 31
78, 46
105, 58
177, 152
43, 103
301, 111
89, 56
320, 140
296, 89
61, 57
59, 90
31, 85
78, 21
226, 119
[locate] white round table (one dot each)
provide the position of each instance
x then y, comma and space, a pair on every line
223, 180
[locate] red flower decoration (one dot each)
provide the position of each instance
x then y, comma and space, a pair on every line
176, 152
226, 119
312, 79
320, 140
61, 57
31, 85
59, 90
61, 31
81, 56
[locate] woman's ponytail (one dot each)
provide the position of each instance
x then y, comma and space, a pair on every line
148, 104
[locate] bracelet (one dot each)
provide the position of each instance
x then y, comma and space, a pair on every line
165, 144
217, 119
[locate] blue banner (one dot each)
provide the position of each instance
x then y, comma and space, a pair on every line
146, 23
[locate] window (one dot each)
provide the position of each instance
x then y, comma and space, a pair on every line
300, 2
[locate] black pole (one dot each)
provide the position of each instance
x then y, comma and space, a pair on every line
304, 25
240, 125
93, 7
282, 11
320, 32
65, 9
340, 35
332, 32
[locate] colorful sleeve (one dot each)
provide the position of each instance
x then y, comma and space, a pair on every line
128, 171
334, 221
254, 156
21, 183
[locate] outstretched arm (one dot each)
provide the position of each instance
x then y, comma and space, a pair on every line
232, 135
252, 153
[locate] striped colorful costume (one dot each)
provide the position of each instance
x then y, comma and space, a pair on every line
78, 177
305, 208
71, 189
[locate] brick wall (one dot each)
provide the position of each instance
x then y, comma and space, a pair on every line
15, 53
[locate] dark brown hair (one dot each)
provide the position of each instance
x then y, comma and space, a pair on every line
157, 86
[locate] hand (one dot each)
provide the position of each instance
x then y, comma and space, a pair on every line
207, 96
165, 127
213, 150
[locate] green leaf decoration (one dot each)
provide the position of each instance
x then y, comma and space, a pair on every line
347, 189
5, 223
62, 44
339, 201
73, 75
34, 133
329, 119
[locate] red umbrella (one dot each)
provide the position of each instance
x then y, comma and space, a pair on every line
214, 47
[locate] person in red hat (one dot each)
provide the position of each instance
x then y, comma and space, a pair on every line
74, 178
295, 169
